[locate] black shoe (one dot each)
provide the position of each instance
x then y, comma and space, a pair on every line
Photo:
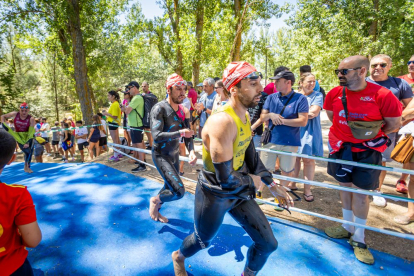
139, 169
278, 172
149, 147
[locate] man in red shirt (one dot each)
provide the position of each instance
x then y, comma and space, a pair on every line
365, 102
410, 76
18, 224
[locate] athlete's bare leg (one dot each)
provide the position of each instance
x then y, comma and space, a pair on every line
178, 262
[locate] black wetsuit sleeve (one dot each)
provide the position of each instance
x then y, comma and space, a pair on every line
189, 142
256, 166
157, 126
230, 179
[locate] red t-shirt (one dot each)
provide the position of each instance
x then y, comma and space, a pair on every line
16, 208
371, 104
407, 79
192, 94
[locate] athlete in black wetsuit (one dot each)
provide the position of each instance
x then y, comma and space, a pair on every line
169, 124
232, 170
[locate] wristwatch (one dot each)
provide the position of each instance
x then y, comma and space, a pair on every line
205, 109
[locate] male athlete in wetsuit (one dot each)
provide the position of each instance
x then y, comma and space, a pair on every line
170, 122
232, 169
24, 132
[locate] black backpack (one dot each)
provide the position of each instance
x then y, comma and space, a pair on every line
149, 101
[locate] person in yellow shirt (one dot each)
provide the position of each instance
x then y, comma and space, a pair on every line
114, 120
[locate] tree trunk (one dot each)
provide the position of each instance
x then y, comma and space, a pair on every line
373, 29
238, 29
199, 41
79, 62
55, 86
174, 16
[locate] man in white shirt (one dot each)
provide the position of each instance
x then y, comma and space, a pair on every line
45, 135
81, 134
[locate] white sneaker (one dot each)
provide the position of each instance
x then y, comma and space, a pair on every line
379, 201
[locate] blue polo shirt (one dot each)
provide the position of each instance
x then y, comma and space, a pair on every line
208, 101
286, 135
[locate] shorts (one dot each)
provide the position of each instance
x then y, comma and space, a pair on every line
137, 133
256, 141
38, 151
287, 162
364, 178
47, 139
83, 145
103, 141
386, 155
55, 143
113, 126
66, 145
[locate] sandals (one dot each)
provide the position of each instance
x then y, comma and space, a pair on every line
337, 232
306, 198
401, 187
403, 220
361, 252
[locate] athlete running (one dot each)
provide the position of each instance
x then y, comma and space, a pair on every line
24, 132
170, 123
232, 170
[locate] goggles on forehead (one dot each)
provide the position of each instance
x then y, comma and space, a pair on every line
253, 76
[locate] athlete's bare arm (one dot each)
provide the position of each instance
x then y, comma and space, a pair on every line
4, 117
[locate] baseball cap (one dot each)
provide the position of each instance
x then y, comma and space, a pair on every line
133, 83
200, 84
190, 83
286, 74
235, 72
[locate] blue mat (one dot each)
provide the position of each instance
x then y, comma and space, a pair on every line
95, 221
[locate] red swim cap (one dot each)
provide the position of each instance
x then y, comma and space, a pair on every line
175, 79
24, 105
235, 72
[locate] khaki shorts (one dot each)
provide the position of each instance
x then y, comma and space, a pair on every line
287, 162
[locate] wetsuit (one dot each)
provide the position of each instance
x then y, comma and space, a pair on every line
165, 126
227, 187
23, 134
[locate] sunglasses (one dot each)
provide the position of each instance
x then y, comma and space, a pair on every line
383, 65
253, 76
410, 62
217, 87
345, 71
24, 107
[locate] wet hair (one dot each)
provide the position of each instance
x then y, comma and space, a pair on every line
7, 147
79, 122
305, 69
115, 94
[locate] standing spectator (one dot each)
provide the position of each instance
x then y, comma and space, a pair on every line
366, 102
55, 139
222, 96
257, 124
125, 103
270, 89
379, 67
45, 135
146, 91
81, 134
62, 137
72, 137
285, 127
103, 139
406, 218
95, 135
114, 121
192, 96
18, 218
37, 127
135, 112
410, 76
310, 135
67, 142
205, 104
38, 149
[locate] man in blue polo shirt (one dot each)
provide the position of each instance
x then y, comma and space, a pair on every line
285, 135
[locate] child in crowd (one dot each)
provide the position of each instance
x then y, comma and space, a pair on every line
55, 139
94, 135
67, 143
18, 224
38, 149
81, 133
103, 141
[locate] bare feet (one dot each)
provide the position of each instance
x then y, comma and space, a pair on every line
178, 262
28, 170
162, 219
153, 209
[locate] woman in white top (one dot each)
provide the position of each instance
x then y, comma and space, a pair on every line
222, 96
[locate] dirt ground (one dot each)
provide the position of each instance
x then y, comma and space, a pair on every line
326, 202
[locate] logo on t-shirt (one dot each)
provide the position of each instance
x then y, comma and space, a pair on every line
342, 113
367, 99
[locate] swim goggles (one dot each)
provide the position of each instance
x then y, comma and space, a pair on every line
253, 76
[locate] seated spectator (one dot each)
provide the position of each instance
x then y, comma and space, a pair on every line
310, 135
366, 102
286, 111
18, 223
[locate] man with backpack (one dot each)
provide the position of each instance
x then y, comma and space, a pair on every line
149, 101
136, 112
